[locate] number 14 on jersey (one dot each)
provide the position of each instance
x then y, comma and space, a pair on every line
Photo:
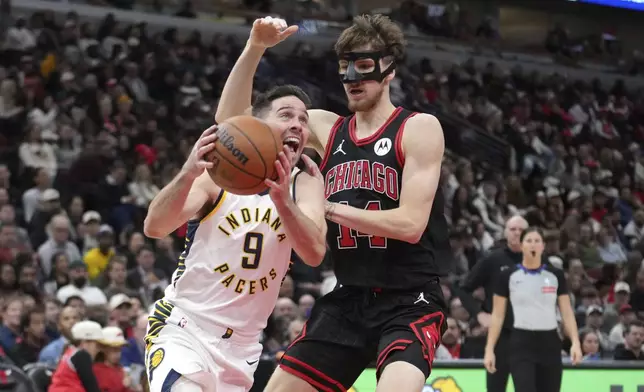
348, 238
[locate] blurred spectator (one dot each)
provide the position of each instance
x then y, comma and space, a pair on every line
59, 275
32, 338
594, 322
134, 352
81, 287
107, 368
142, 188
590, 347
626, 316
11, 323
97, 258
75, 373
51, 353
145, 278
631, 349
58, 241
120, 313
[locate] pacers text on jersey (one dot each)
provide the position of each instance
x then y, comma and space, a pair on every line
239, 219
362, 174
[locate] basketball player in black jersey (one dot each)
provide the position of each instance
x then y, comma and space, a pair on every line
387, 233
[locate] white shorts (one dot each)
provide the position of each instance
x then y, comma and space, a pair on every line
179, 347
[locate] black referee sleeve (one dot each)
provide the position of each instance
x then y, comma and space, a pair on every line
479, 276
82, 362
562, 286
502, 284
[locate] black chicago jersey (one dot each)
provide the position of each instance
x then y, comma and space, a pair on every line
367, 174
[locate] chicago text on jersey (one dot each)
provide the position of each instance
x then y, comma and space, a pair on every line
362, 174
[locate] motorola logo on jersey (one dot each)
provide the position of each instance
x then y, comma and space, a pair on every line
362, 174
228, 142
382, 146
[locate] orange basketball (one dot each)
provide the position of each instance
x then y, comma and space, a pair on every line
244, 155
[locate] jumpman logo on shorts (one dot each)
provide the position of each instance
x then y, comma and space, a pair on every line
421, 298
339, 149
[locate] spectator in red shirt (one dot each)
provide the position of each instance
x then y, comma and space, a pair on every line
108, 370
74, 372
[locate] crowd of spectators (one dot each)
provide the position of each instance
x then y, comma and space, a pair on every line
94, 120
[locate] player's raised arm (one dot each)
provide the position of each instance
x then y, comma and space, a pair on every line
423, 145
187, 193
303, 218
238, 91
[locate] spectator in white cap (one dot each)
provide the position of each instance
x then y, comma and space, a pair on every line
120, 307
74, 371
91, 220
108, 370
594, 322
97, 258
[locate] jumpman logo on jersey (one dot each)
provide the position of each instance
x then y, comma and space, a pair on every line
339, 149
421, 298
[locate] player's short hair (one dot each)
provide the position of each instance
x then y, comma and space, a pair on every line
264, 101
377, 31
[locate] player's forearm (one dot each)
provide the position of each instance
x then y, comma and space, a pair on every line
307, 238
163, 217
237, 94
396, 223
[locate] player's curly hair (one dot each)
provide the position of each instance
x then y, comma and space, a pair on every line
377, 31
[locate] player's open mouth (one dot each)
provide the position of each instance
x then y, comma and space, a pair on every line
293, 143
356, 92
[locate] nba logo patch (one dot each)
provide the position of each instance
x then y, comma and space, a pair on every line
183, 322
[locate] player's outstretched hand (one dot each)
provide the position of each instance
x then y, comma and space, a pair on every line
268, 32
279, 190
311, 168
196, 164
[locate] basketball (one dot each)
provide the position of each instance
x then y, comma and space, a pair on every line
244, 155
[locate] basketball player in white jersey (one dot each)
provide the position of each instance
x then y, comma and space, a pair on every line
204, 334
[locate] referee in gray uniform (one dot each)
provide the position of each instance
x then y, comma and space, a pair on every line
534, 291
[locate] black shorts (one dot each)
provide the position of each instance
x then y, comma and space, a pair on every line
351, 328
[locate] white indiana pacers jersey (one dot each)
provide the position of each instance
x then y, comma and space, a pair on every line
232, 267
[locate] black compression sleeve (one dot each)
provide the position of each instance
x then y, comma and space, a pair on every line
82, 362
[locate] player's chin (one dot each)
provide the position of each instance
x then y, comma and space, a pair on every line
361, 105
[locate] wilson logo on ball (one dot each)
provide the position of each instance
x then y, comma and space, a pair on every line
228, 142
